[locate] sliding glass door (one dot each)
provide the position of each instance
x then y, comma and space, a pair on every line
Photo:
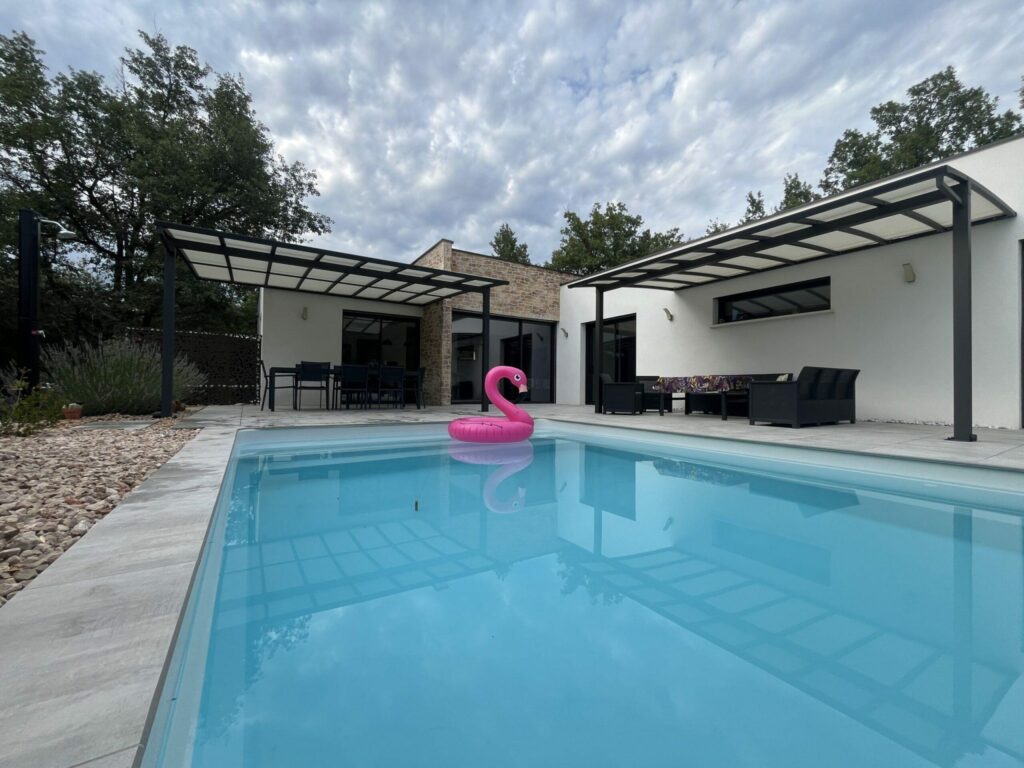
376, 340
618, 352
525, 344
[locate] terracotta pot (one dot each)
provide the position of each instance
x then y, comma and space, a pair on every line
73, 413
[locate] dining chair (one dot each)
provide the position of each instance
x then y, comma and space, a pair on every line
391, 386
290, 383
351, 380
414, 386
314, 376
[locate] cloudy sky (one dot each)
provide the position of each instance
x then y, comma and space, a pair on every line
428, 120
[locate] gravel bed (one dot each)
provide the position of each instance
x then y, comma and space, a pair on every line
56, 484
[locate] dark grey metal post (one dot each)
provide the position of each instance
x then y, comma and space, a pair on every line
485, 353
598, 344
963, 418
28, 294
167, 344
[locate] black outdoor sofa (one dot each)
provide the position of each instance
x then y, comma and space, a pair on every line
817, 396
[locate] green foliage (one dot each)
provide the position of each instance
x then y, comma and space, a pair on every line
755, 207
506, 246
795, 192
24, 414
941, 117
715, 226
170, 139
116, 376
609, 237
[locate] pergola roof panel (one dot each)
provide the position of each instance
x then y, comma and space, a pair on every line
909, 205
232, 258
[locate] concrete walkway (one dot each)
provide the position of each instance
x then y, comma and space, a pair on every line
82, 649
996, 448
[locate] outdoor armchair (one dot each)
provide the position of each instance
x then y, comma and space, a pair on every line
817, 396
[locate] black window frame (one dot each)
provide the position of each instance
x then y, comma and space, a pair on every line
415, 319
514, 319
723, 304
588, 351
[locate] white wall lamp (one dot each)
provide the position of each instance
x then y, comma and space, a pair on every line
305, 313
668, 314
909, 275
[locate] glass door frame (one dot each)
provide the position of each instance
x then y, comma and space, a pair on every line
552, 324
588, 352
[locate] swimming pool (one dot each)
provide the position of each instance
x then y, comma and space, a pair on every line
384, 597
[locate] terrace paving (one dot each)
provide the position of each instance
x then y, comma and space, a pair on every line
84, 645
997, 448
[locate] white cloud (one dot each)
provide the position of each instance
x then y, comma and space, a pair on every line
431, 120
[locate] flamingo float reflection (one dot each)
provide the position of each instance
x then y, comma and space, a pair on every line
508, 458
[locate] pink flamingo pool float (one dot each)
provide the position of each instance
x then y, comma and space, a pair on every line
517, 424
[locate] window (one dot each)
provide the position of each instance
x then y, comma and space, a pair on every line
792, 299
525, 344
618, 352
376, 340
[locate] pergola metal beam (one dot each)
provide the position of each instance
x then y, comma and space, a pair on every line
598, 344
167, 341
341, 270
485, 352
28, 295
809, 216
811, 229
963, 418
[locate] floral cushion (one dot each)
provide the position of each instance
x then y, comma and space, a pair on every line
707, 383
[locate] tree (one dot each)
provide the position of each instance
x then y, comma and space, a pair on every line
941, 117
607, 238
169, 140
755, 207
795, 192
715, 226
506, 246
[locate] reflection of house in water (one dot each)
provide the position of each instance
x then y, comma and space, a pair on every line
807, 583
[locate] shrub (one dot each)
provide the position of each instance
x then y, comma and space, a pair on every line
117, 376
22, 414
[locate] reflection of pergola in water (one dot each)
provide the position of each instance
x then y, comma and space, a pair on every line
881, 678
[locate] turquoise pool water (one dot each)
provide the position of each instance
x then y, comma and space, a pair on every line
384, 598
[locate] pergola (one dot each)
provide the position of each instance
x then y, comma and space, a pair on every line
916, 204
257, 262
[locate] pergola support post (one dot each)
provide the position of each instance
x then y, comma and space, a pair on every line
598, 339
963, 418
28, 295
167, 343
485, 352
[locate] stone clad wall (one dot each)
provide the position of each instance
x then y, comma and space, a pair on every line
532, 293
436, 333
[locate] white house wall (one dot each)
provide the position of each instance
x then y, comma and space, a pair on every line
288, 337
899, 334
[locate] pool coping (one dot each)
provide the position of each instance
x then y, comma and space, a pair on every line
88, 644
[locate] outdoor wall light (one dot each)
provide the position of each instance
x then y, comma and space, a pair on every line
305, 313
564, 332
63, 233
668, 314
909, 275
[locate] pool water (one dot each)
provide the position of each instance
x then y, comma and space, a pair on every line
585, 600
